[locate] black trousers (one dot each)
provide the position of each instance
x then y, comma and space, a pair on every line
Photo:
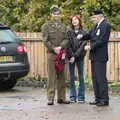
99, 80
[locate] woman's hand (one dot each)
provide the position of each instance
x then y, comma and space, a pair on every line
72, 60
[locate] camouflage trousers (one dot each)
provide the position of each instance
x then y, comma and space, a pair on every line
55, 80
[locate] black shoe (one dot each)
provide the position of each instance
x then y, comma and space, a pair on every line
60, 101
102, 103
72, 100
94, 102
50, 102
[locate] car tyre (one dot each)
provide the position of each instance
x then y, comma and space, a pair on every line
7, 84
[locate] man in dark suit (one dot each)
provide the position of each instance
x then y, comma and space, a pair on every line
99, 36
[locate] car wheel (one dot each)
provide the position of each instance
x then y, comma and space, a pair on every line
7, 84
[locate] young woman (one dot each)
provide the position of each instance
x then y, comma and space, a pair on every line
76, 53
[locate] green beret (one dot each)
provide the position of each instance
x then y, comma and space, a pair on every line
54, 8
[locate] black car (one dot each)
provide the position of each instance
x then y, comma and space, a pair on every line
13, 58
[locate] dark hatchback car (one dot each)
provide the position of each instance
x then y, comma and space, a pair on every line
13, 58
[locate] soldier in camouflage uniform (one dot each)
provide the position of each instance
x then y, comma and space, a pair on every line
55, 38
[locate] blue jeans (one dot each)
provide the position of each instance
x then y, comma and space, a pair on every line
80, 94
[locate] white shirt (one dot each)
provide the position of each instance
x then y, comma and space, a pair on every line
100, 22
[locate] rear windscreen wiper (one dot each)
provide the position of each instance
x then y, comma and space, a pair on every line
5, 42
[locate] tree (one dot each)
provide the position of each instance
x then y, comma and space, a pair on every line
29, 15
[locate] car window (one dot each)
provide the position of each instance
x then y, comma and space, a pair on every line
8, 36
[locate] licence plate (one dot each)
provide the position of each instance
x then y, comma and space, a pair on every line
6, 58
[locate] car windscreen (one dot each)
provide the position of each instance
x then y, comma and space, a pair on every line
8, 36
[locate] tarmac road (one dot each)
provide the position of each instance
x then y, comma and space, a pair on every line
27, 103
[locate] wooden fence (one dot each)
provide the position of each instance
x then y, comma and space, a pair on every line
38, 58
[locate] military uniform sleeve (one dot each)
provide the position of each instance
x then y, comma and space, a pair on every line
47, 43
81, 47
86, 36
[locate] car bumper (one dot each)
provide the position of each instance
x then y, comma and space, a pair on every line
15, 70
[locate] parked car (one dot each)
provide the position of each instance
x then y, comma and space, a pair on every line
14, 62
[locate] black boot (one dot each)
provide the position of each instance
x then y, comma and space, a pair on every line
50, 102
60, 101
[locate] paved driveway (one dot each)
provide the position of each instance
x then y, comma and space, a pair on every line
27, 103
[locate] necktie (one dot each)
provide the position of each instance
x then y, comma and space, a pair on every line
95, 27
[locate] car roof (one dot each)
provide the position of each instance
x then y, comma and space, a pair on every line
4, 27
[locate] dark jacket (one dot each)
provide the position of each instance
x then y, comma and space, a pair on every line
99, 41
76, 46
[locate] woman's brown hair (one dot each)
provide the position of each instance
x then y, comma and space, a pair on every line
78, 17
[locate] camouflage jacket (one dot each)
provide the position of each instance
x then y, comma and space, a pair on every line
54, 34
